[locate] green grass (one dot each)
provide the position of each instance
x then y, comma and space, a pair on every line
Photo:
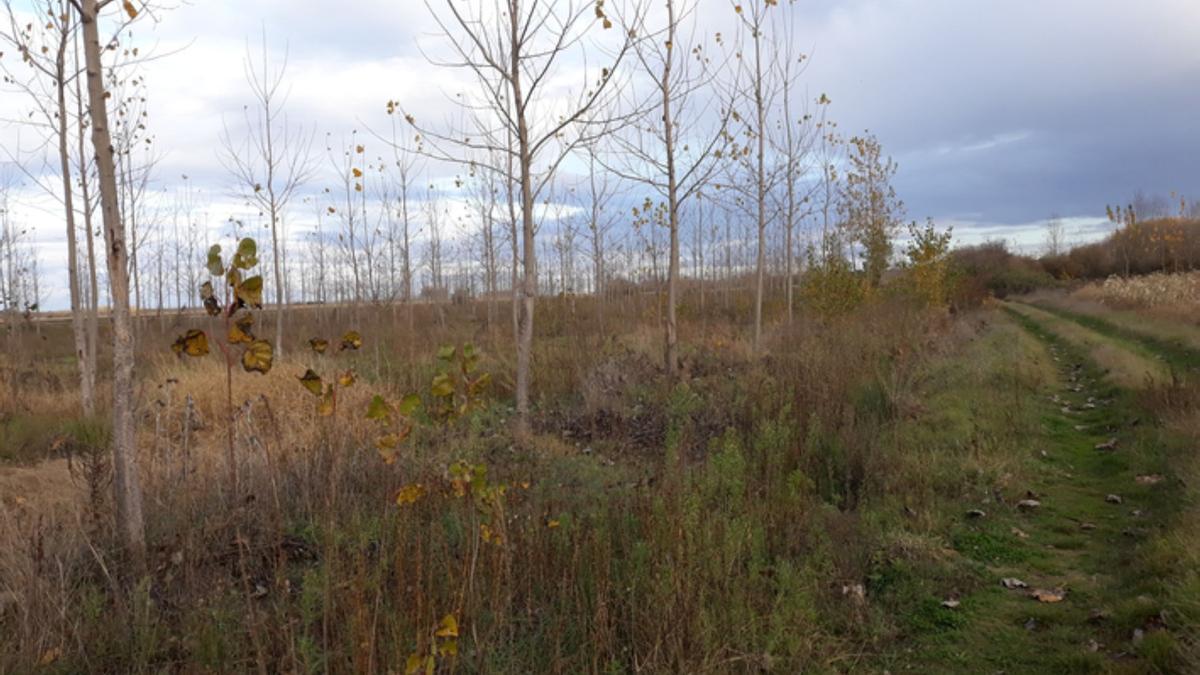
996, 629
1175, 352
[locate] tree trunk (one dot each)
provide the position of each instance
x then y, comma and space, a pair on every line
530, 282
672, 351
126, 482
93, 323
78, 329
760, 187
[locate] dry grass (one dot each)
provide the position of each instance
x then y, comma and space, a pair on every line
1125, 367
1151, 290
709, 525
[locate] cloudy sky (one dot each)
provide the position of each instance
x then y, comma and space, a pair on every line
999, 112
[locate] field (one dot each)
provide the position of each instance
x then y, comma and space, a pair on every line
848, 501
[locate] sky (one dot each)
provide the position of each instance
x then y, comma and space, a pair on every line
998, 112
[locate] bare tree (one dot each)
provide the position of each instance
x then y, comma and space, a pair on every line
126, 479
45, 51
669, 148
600, 191
273, 160
793, 143
753, 84
514, 49
1055, 235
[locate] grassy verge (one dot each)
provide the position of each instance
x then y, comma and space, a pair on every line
1174, 351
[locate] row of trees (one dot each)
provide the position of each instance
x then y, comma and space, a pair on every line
606, 138
73, 80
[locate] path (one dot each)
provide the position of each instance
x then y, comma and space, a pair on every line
1069, 589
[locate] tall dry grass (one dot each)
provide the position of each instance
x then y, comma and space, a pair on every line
712, 524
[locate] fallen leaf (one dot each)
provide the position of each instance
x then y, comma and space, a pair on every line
49, 656
1028, 504
1109, 445
1149, 479
951, 604
1013, 582
1113, 499
1020, 534
976, 513
1042, 595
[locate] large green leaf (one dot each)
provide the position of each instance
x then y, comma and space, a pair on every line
215, 266
246, 255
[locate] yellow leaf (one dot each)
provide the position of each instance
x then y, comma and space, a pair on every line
448, 648
449, 627
257, 357
318, 345
311, 381
239, 331
49, 656
346, 379
409, 494
1048, 596
351, 340
357, 173
193, 343
413, 664
325, 405
130, 9
250, 291
552, 523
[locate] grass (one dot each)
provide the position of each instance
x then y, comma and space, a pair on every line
800, 512
1175, 351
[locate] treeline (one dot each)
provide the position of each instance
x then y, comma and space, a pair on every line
1168, 244
1135, 247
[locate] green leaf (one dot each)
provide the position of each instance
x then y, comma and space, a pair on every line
215, 266
250, 291
379, 409
446, 353
442, 386
311, 381
193, 343
246, 255
257, 357
409, 404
